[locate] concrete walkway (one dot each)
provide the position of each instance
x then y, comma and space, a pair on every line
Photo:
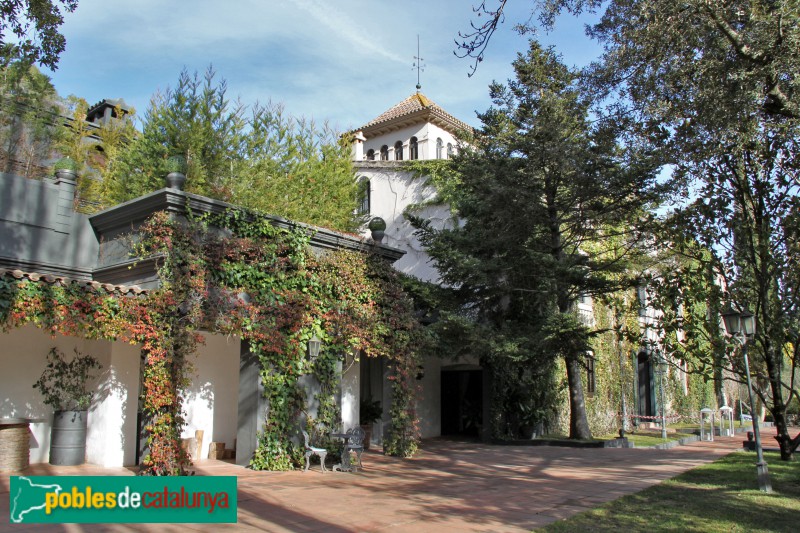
447, 487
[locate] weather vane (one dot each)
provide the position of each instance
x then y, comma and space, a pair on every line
418, 64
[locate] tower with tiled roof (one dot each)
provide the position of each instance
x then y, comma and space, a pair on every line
414, 129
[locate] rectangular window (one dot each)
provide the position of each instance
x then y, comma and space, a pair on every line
590, 378
364, 191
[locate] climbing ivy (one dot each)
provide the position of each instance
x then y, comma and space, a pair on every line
353, 302
207, 264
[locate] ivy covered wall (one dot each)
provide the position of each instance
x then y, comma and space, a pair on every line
206, 263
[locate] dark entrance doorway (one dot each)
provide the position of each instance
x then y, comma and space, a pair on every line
462, 402
645, 379
141, 435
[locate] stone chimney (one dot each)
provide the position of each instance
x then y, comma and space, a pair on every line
358, 146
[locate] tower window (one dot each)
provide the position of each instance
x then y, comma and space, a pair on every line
449, 150
364, 192
439, 148
413, 148
398, 151
370, 155
384, 153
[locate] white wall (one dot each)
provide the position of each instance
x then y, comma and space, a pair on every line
426, 135
429, 407
211, 402
111, 440
391, 192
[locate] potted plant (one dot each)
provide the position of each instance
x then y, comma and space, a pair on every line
369, 412
530, 417
63, 385
66, 168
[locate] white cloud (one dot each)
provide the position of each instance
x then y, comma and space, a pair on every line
343, 60
345, 27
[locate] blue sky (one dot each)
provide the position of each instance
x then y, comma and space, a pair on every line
343, 61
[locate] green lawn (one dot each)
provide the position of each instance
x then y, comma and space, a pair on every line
719, 497
650, 437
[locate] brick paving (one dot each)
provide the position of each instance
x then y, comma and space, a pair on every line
448, 487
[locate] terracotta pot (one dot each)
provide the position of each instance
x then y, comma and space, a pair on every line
367, 435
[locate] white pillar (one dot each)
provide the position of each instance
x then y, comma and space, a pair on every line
111, 438
350, 396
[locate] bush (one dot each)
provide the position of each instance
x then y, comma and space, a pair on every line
176, 163
66, 163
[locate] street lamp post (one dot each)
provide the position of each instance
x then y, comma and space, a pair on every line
740, 325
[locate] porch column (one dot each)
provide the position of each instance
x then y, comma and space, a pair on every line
252, 405
349, 397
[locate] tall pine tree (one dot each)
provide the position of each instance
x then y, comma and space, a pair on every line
548, 201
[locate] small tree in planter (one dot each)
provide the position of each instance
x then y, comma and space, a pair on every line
369, 412
63, 385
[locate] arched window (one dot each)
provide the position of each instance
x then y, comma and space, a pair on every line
398, 151
413, 148
439, 148
364, 193
370, 155
449, 150
384, 153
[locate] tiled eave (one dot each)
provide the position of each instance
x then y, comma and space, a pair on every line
431, 115
88, 286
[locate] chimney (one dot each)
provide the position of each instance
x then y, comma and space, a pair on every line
358, 146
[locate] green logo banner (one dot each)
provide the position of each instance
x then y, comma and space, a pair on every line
122, 499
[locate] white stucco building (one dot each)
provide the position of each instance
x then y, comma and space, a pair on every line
416, 129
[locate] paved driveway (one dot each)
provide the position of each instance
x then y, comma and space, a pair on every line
447, 487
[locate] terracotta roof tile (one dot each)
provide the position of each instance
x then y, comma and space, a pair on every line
416, 103
89, 286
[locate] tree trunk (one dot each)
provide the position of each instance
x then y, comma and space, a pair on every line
578, 422
779, 406
618, 345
